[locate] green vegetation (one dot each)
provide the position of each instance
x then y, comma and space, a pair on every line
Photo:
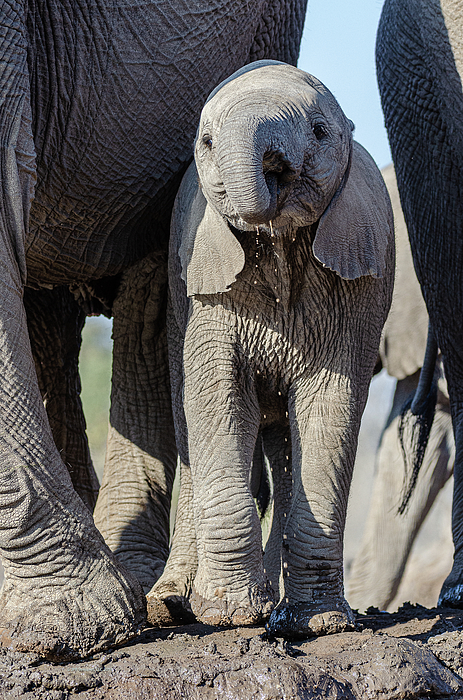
95, 373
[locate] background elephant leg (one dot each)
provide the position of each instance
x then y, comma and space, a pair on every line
388, 536
277, 447
261, 481
133, 506
55, 322
325, 418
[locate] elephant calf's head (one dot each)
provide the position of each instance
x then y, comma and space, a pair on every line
274, 151
272, 146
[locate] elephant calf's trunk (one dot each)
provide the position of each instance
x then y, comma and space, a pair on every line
253, 172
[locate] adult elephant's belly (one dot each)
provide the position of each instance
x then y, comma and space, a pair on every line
116, 92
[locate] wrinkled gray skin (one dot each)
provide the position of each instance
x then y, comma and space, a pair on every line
98, 105
281, 270
388, 536
420, 69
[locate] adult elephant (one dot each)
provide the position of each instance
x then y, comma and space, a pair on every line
388, 535
420, 69
98, 106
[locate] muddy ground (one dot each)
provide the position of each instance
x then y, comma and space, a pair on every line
414, 653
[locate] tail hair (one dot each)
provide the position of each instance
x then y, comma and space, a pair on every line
416, 419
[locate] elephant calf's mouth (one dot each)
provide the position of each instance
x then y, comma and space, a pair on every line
279, 175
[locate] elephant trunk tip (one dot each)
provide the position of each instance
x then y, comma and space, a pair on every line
278, 174
264, 211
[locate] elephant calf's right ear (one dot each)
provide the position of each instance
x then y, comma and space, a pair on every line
210, 255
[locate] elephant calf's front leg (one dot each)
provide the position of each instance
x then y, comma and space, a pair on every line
230, 586
324, 427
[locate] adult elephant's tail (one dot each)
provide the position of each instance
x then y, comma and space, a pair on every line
416, 418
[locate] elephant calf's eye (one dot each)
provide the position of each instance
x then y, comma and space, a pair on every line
207, 141
319, 131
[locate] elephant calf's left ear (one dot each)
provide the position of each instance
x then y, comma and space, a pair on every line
355, 230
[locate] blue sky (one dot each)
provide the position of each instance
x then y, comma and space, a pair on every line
338, 47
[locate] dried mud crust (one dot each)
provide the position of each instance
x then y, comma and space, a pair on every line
415, 653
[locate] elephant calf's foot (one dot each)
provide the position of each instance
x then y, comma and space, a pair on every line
67, 619
221, 610
168, 605
302, 620
168, 601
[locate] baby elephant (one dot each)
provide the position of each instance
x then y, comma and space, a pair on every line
281, 273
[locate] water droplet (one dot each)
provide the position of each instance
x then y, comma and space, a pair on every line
277, 301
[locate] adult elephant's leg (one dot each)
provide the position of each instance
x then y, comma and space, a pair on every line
452, 589
55, 321
325, 417
388, 536
64, 594
230, 586
419, 75
443, 293
133, 506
